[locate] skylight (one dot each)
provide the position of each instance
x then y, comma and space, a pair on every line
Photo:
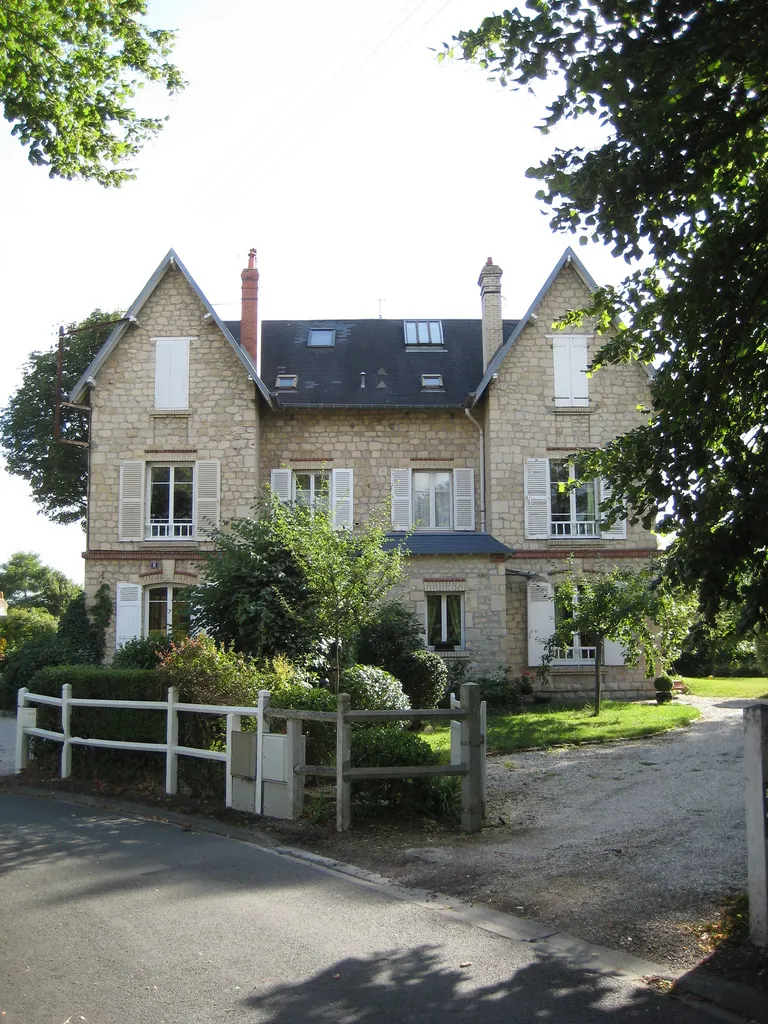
286, 380
423, 332
321, 338
431, 380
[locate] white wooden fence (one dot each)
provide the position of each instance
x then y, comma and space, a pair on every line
265, 771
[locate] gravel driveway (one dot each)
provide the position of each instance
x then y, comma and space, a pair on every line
627, 844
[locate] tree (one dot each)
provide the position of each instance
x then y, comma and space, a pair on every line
68, 76
22, 625
56, 472
682, 181
27, 583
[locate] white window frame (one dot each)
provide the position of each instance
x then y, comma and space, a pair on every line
324, 331
341, 492
577, 653
187, 530
539, 524
169, 589
444, 595
312, 474
425, 333
432, 501
574, 527
462, 502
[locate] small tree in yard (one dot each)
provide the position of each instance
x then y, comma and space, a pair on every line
621, 605
345, 573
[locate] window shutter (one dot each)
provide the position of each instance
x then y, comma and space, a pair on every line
613, 653
206, 496
401, 499
342, 498
131, 516
281, 482
127, 613
579, 360
619, 529
541, 619
172, 373
561, 351
463, 499
537, 498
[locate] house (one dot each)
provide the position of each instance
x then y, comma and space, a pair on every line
468, 428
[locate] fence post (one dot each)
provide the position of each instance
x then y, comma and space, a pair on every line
756, 768
233, 725
343, 763
261, 727
66, 747
26, 717
471, 758
294, 756
171, 742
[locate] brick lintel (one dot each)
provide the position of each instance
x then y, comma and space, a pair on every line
187, 554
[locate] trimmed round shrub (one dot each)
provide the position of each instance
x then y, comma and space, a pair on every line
501, 693
141, 652
424, 678
662, 684
383, 747
372, 689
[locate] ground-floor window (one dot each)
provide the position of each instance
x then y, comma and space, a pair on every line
445, 620
167, 611
584, 646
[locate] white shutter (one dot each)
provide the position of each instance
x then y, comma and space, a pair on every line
541, 619
207, 472
463, 499
163, 357
127, 613
619, 529
281, 482
342, 498
171, 373
579, 361
537, 498
613, 653
561, 351
131, 517
401, 499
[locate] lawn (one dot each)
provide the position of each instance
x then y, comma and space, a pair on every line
738, 686
550, 727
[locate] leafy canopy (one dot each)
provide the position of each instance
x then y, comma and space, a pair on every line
56, 472
27, 583
68, 76
681, 179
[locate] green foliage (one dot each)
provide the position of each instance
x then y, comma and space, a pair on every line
68, 76
321, 736
373, 689
57, 473
679, 179
385, 747
662, 684
27, 583
249, 583
23, 625
424, 677
141, 652
733, 687
208, 674
501, 692
720, 645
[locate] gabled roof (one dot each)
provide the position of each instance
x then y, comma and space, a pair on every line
569, 256
170, 260
373, 352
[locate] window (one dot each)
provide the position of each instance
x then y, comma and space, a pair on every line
170, 491
431, 380
544, 612
167, 612
286, 380
570, 364
423, 332
434, 499
316, 487
584, 647
445, 621
321, 338
172, 373
312, 489
573, 512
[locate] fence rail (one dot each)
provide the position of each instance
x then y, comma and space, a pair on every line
467, 717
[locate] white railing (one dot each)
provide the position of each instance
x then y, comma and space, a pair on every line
167, 528
563, 526
575, 654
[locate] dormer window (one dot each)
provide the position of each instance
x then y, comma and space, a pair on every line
431, 381
286, 381
321, 338
423, 332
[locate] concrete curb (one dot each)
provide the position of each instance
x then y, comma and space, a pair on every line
736, 999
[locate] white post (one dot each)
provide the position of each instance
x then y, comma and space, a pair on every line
171, 742
66, 747
26, 718
756, 768
233, 725
261, 727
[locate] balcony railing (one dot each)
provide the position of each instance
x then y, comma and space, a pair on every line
564, 526
576, 655
159, 530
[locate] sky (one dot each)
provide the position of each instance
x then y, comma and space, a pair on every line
369, 177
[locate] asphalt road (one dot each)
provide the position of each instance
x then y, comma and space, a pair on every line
106, 917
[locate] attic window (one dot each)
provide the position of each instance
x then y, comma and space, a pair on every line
423, 332
431, 380
286, 380
321, 338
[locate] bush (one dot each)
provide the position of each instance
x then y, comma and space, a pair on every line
371, 688
208, 674
321, 737
25, 625
424, 678
142, 652
390, 747
662, 684
393, 633
501, 692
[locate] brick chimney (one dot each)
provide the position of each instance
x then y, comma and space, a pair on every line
490, 296
249, 316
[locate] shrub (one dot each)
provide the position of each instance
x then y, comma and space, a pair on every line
208, 674
142, 652
393, 633
501, 692
371, 688
24, 625
662, 683
321, 737
424, 678
378, 747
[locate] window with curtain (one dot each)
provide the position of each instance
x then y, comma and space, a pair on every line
168, 611
432, 503
445, 620
574, 510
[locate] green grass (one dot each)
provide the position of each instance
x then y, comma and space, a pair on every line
551, 727
738, 686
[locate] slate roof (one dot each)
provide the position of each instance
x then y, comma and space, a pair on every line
448, 544
331, 377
